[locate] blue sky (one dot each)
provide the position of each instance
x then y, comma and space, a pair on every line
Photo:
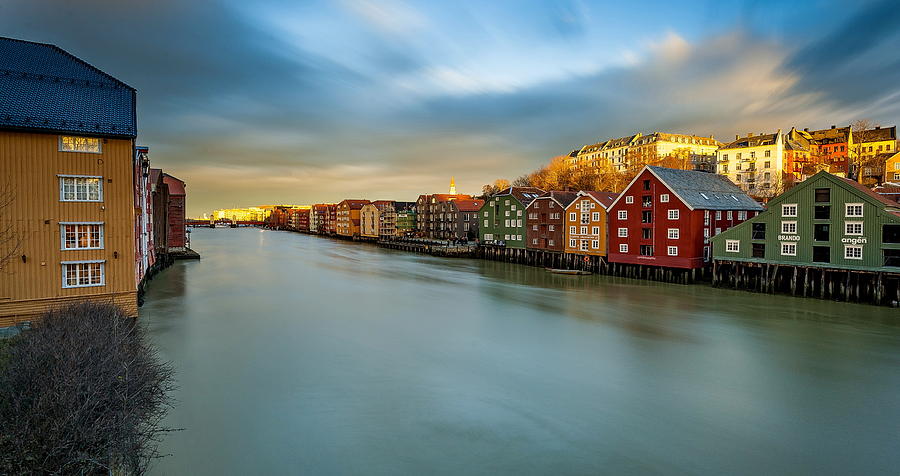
303, 101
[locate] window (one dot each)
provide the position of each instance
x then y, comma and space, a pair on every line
789, 249
583, 230
647, 217
646, 201
595, 216
506, 223
623, 232
752, 154
534, 241
853, 228
506, 213
485, 214
595, 244
768, 153
647, 233
584, 245
81, 236
572, 243
789, 209
595, 230
623, 214
729, 215
718, 215
506, 237
646, 185
78, 274
646, 250
551, 228
822, 212
759, 250
706, 232
789, 227
534, 228
821, 254
519, 237
733, 246
852, 252
518, 213
485, 223
742, 215
629, 199
822, 232
572, 230
74, 188
518, 223
572, 216
854, 210
673, 250
718, 230
79, 144
890, 234
673, 233
623, 248
674, 214
823, 195
705, 217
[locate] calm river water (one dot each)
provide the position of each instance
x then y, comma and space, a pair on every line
305, 355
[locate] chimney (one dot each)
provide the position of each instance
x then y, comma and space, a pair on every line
749, 134
877, 127
832, 126
737, 136
806, 129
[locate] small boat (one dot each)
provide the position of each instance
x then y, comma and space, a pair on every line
574, 272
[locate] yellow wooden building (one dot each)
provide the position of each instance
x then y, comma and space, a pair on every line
67, 134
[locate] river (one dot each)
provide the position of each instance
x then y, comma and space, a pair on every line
298, 354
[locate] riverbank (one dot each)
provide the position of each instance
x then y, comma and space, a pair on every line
882, 289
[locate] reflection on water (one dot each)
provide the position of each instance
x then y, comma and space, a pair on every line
299, 354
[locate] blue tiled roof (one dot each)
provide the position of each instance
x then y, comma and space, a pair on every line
43, 87
705, 191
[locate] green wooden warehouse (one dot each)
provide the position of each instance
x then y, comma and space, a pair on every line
827, 237
502, 217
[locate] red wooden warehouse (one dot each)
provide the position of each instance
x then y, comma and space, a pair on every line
666, 216
176, 233
546, 225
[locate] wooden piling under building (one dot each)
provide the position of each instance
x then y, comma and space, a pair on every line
809, 281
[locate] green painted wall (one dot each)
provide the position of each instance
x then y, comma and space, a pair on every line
804, 195
492, 221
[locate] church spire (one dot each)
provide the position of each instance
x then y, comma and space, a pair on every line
452, 186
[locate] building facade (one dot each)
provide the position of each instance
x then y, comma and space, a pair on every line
755, 163
67, 149
405, 218
826, 221
586, 223
665, 217
377, 219
546, 221
464, 219
502, 219
347, 220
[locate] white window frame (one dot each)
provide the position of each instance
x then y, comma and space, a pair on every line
595, 230
792, 245
664, 198
62, 234
573, 243
595, 244
672, 250
629, 199
792, 223
65, 283
63, 177
847, 210
623, 214
674, 214
623, 233
674, 233
732, 246
595, 216
789, 210
573, 216
99, 145
847, 255
848, 224
623, 248
573, 230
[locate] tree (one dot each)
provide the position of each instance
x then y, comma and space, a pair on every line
80, 393
865, 167
9, 239
489, 190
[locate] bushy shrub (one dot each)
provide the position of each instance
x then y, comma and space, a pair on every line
82, 392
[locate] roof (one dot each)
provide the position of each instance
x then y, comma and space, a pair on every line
621, 141
467, 205
875, 135
43, 87
446, 197
752, 141
604, 198
702, 190
354, 204
834, 135
154, 175
176, 185
525, 195
560, 197
867, 191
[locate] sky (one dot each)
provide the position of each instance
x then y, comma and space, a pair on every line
275, 101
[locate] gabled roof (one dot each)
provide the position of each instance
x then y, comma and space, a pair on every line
353, 204
42, 87
875, 135
524, 195
700, 190
832, 135
867, 191
563, 199
176, 185
468, 205
621, 141
605, 199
